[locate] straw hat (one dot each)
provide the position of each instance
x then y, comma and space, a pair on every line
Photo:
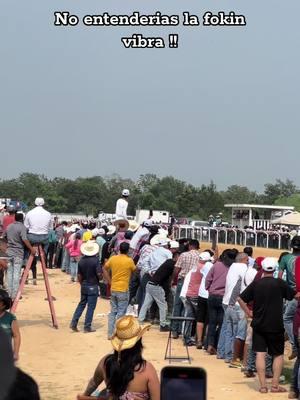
133, 226
89, 248
127, 333
122, 221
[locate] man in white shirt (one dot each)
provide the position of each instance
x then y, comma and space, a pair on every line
235, 284
38, 222
202, 308
159, 256
140, 236
122, 204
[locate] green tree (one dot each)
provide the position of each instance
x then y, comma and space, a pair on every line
273, 191
293, 201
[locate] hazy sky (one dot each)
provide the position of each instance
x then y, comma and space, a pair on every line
223, 106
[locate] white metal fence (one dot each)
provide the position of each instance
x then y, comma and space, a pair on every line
242, 237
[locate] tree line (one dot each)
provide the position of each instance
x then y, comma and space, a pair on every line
94, 194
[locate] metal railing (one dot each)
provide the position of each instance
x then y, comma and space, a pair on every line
242, 237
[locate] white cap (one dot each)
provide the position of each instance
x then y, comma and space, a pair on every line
269, 264
39, 201
174, 244
148, 222
125, 192
205, 256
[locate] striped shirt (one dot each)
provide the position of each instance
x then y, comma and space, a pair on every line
187, 261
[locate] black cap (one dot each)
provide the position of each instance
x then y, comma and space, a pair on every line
295, 243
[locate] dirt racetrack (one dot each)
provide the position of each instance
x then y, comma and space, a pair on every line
62, 361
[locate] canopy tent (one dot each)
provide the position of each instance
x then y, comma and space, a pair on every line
292, 218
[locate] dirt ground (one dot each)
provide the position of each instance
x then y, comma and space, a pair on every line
62, 361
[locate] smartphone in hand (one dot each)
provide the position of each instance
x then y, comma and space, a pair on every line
183, 383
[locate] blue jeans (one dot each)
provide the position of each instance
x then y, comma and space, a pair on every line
178, 308
13, 276
234, 315
89, 296
73, 268
221, 343
216, 313
191, 307
39, 239
288, 318
119, 303
251, 359
66, 261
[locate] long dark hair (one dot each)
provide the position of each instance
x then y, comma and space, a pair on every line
120, 369
77, 237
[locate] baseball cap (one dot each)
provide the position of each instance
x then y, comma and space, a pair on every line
125, 192
205, 256
269, 264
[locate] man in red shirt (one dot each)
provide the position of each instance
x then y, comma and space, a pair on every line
9, 218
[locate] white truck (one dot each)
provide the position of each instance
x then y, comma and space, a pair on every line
159, 217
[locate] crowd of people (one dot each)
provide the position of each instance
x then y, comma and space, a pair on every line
241, 306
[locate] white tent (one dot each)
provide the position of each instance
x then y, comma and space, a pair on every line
292, 218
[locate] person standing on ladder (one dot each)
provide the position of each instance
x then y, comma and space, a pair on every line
38, 222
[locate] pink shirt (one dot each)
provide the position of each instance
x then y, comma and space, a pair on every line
195, 282
74, 251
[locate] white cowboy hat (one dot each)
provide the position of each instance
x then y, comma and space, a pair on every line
133, 225
89, 248
158, 239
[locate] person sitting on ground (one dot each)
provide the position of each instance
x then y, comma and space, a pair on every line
8, 322
126, 373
